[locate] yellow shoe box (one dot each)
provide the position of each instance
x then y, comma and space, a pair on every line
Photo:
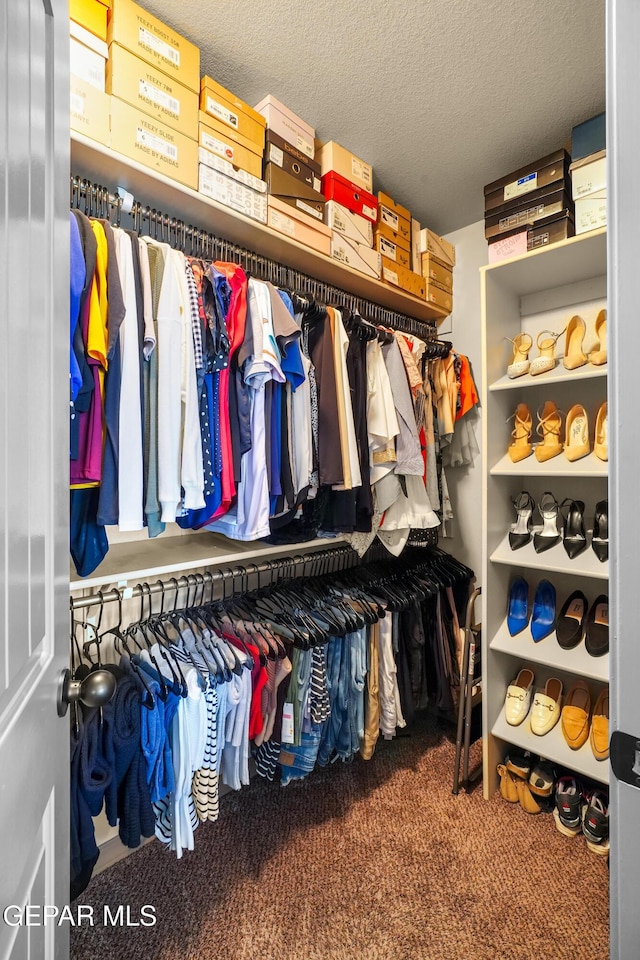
91, 14
430, 242
397, 275
394, 215
140, 137
89, 110
223, 106
436, 270
392, 251
435, 294
152, 91
226, 143
156, 43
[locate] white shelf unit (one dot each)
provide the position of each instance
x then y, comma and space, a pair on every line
538, 291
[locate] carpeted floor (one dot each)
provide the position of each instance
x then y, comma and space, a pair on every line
363, 861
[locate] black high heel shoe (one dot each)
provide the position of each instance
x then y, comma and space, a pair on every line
520, 531
549, 535
575, 537
600, 539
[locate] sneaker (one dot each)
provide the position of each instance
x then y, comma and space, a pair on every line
568, 809
595, 823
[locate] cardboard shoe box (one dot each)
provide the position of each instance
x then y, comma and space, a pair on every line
331, 156
394, 216
436, 271
292, 161
89, 111
392, 236
591, 212
543, 203
437, 295
553, 168
358, 256
138, 83
348, 195
287, 125
416, 264
92, 15
430, 242
295, 192
350, 225
232, 193
399, 276
87, 56
297, 225
589, 137
140, 137
214, 162
589, 175
390, 250
153, 41
223, 106
229, 145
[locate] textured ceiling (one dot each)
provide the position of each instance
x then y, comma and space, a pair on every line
440, 96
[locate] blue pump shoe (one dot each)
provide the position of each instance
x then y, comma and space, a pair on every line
543, 614
518, 609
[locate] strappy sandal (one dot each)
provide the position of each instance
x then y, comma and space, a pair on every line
547, 347
549, 428
520, 363
521, 433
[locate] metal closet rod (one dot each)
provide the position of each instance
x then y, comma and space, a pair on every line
321, 561
96, 200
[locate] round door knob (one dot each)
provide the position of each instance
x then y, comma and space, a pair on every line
95, 690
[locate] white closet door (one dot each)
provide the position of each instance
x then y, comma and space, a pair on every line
623, 200
34, 411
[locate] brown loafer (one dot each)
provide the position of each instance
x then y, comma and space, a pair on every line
575, 715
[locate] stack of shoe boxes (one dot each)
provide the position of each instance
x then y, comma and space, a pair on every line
392, 238
88, 57
153, 76
351, 208
230, 151
529, 208
437, 260
295, 206
589, 173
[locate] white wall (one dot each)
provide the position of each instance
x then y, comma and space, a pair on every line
465, 483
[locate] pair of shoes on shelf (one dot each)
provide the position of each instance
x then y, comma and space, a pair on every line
556, 527
522, 780
577, 620
576, 432
579, 724
574, 355
543, 611
543, 712
578, 812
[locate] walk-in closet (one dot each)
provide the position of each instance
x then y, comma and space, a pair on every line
318, 551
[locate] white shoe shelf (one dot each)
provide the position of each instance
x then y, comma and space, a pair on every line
538, 291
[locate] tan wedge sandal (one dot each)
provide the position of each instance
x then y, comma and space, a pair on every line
547, 347
520, 447
550, 429
520, 363
601, 443
576, 443
599, 356
574, 355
